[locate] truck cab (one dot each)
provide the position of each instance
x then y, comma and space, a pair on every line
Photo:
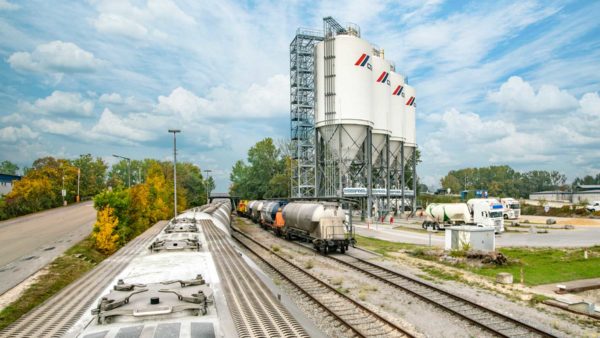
594, 206
512, 208
487, 212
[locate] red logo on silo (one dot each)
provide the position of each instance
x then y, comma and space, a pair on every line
383, 77
362, 60
411, 102
398, 91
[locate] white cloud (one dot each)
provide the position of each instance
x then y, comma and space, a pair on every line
116, 24
590, 104
64, 127
7, 6
56, 57
130, 128
125, 19
516, 95
257, 101
60, 103
113, 98
13, 134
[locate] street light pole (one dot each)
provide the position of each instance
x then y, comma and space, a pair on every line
78, 179
174, 131
128, 168
206, 180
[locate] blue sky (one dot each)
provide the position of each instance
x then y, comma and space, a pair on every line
498, 82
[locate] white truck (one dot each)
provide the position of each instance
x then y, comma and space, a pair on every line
594, 206
476, 212
512, 208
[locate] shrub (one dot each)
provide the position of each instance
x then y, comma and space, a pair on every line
104, 231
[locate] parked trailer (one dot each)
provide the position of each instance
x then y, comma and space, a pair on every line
512, 208
475, 213
321, 223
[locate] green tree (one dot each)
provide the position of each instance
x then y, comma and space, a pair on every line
7, 167
93, 174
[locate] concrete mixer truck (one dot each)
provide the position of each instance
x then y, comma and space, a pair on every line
476, 212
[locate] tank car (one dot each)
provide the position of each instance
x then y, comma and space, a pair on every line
168, 289
321, 223
269, 214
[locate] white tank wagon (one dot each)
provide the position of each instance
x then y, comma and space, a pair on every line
380, 103
249, 208
255, 211
321, 223
267, 214
343, 94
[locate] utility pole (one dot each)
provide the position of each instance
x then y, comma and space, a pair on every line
78, 179
175, 131
207, 171
128, 168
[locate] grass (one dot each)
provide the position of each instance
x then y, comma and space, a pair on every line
65, 269
547, 265
383, 247
437, 273
540, 265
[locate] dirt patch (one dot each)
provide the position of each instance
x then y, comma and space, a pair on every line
577, 221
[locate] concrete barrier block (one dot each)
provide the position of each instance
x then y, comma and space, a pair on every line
504, 278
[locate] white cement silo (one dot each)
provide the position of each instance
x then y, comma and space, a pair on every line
343, 94
410, 121
396, 115
380, 104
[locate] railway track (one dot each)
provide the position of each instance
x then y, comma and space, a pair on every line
488, 319
56, 315
357, 319
254, 309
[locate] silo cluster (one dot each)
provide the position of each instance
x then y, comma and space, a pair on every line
364, 118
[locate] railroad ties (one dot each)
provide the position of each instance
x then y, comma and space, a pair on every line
55, 316
356, 320
255, 311
488, 319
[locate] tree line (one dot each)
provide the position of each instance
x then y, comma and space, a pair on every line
504, 181
41, 186
267, 171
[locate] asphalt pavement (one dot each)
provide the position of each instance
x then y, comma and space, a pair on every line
28, 243
408, 232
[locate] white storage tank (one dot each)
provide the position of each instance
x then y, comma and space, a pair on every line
343, 93
396, 115
410, 121
380, 103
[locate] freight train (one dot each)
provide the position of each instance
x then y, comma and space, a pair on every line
320, 223
170, 288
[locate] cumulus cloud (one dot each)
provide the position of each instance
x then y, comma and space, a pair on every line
13, 134
590, 104
7, 6
125, 19
63, 127
56, 57
113, 98
60, 103
257, 101
517, 95
128, 128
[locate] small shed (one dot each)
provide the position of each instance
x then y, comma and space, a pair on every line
478, 238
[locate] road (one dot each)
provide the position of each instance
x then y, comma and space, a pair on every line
581, 236
30, 242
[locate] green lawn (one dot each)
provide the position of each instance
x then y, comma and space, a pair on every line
540, 265
547, 265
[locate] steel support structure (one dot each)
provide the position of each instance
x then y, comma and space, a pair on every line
302, 113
